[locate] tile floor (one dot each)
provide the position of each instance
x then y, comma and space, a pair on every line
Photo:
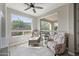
24, 50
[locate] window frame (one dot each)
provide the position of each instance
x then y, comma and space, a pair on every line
12, 30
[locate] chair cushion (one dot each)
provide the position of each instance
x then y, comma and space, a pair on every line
60, 38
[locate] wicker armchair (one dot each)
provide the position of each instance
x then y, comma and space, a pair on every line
35, 38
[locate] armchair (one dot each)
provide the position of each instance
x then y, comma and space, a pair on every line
35, 38
58, 44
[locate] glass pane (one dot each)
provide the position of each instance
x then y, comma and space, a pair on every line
45, 25
20, 22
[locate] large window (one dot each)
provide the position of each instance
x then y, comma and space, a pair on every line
45, 25
20, 24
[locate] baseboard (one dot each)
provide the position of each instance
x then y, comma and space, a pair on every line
71, 53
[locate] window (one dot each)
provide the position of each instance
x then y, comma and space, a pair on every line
20, 25
21, 22
45, 25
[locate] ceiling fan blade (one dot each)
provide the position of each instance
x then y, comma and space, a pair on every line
38, 7
27, 8
34, 10
27, 4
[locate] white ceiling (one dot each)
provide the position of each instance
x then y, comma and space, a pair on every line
52, 17
47, 7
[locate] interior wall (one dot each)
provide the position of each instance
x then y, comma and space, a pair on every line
38, 24
2, 26
71, 30
65, 22
3, 40
63, 19
35, 22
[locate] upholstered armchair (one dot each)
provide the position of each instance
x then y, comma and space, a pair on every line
35, 38
35, 33
58, 43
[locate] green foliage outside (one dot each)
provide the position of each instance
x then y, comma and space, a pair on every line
16, 33
45, 25
20, 25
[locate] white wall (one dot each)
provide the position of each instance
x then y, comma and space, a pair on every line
35, 22
71, 29
3, 39
63, 20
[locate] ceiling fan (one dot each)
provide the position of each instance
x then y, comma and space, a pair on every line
32, 5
